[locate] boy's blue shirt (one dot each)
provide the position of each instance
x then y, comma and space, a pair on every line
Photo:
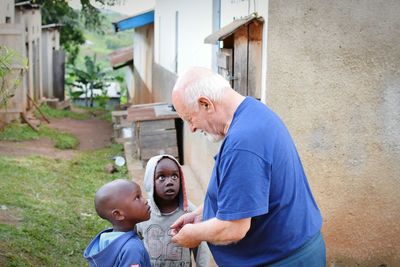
125, 250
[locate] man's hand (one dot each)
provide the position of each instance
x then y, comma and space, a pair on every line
187, 218
186, 237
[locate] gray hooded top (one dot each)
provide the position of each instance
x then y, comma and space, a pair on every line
155, 231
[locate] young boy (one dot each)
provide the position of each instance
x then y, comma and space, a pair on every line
164, 183
122, 204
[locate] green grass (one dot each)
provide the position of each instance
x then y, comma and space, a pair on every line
18, 132
54, 201
22, 132
61, 113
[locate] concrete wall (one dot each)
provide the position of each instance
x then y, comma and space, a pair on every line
163, 82
31, 19
334, 78
12, 36
50, 41
7, 11
182, 45
143, 62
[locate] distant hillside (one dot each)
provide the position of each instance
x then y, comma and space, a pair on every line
104, 44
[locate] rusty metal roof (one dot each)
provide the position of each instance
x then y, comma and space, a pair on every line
121, 57
230, 29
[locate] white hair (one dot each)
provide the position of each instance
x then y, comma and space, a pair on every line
198, 82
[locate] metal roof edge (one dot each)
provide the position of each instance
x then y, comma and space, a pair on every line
138, 20
230, 28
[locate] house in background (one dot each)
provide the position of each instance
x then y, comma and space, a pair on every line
330, 70
39, 46
110, 96
29, 15
12, 36
140, 78
53, 62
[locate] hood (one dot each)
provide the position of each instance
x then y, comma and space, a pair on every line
107, 256
149, 183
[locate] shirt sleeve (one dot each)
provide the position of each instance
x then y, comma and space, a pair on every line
244, 183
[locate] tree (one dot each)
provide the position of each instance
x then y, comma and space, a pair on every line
71, 37
8, 81
91, 78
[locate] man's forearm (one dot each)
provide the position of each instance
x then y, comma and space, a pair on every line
220, 232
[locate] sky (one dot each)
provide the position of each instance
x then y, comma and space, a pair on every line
127, 7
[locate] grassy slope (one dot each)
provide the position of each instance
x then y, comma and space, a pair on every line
103, 44
54, 200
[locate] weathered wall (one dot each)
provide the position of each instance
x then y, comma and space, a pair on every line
334, 78
181, 27
143, 62
7, 11
32, 20
163, 83
50, 40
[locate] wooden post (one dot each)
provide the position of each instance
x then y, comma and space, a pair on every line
37, 107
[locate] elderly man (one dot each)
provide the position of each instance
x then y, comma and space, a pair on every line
259, 209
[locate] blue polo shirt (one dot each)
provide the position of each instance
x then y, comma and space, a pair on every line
258, 174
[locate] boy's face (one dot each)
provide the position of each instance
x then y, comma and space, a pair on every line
134, 206
167, 180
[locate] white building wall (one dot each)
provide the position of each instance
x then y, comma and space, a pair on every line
194, 24
7, 11
143, 53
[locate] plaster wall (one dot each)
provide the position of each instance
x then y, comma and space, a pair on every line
182, 46
163, 82
143, 62
32, 19
50, 41
7, 11
334, 78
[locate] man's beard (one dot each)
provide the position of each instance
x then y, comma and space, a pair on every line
213, 137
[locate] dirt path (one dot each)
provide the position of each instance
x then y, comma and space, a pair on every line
92, 134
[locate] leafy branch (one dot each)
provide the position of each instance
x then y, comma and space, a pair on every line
8, 80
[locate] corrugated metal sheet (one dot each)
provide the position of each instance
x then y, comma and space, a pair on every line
121, 57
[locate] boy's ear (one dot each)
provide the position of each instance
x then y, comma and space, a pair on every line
117, 215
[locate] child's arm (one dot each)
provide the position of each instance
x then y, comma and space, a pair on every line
202, 255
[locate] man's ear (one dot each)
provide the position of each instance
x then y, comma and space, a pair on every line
117, 215
205, 103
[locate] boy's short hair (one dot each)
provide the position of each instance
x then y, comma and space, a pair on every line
106, 194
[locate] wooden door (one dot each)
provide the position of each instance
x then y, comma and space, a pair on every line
58, 74
247, 59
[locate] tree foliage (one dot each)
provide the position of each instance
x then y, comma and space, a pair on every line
9, 81
92, 77
58, 11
